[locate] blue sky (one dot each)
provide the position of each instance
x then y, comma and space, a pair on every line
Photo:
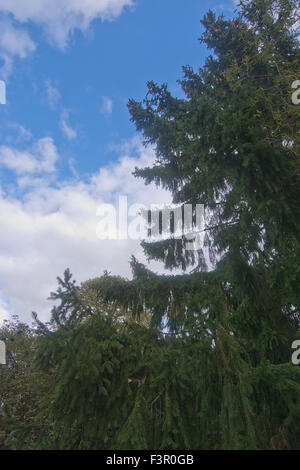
66, 140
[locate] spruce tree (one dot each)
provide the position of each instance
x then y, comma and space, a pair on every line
233, 145
212, 369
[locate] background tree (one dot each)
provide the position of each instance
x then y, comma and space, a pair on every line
23, 390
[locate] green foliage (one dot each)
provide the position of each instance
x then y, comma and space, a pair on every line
23, 389
121, 384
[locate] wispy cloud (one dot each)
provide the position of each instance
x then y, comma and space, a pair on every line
14, 43
54, 100
106, 107
53, 95
69, 132
19, 133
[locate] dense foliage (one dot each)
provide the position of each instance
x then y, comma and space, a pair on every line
23, 390
200, 360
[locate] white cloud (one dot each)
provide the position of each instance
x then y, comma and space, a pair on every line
60, 18
53, 227
14, 43
106, 107
53, 95
40, 159
4, 312
69, 132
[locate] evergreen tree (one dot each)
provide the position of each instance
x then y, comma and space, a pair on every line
23, 391
233, 145
212, 369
